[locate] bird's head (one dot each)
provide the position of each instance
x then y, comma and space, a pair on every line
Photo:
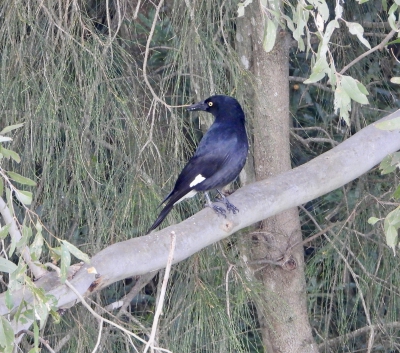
215, 104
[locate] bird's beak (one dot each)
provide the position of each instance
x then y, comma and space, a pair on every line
197, 106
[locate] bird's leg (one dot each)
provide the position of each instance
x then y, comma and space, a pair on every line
217, 209
229, 206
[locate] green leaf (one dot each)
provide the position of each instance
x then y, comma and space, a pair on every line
26, 235
10, 128
315, 77
392, 9
322, 8
17, 277
6, 335
241, 7
386, 165
393, 42
36, 337
24, 197
373, 220
392, 224
20, 179
4, 231
396, 159
319, 70
356, 29
342, 102
9, 300
10, 154
56, 316
395, 80
350, 85
332, 74
330, 28
300, 18
65, 262
396, 194
269, 35
362, 88
7, 266
392, 124
289, 22
392, 17
36, 246
391, 238
55, 254
76, 252
393, 218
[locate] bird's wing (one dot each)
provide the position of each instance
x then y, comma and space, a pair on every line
217, 161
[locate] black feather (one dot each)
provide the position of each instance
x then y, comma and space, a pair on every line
220, 156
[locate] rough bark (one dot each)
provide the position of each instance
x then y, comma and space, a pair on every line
283, 315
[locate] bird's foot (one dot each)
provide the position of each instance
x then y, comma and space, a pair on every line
230, 206
220, 211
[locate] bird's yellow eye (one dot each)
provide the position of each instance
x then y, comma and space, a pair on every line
210, 104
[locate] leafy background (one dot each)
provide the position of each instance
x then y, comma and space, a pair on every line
104, 150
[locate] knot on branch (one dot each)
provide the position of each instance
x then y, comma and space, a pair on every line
289, 264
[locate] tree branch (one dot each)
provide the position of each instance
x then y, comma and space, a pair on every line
380, 46
16, 234
41, 340
257, 201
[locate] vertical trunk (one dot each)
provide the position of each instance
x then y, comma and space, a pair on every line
283, 315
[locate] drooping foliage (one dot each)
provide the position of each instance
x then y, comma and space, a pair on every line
97, 86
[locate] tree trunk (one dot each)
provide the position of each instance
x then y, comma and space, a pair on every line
283, 315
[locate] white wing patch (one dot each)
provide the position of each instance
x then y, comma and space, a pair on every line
191, 193
197, 180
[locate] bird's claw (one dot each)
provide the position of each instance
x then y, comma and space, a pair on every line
231, 207
220, 211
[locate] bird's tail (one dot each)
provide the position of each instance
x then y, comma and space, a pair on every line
167, 209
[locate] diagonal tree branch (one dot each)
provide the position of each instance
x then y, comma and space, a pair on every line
257, 201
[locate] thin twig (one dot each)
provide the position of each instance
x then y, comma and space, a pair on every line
42, 340
227, 290
141, 282
380, 46
333, 342
309, 140
96, 315
355, 278
316, 84
135, 15
315, 236
162, 294
99, 336
146, 55
16, 235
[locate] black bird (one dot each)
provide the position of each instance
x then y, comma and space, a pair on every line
219, 158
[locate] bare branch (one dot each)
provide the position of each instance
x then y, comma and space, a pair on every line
160, 304
41, 340
380, 46
256, 201
16, 234
316, 84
